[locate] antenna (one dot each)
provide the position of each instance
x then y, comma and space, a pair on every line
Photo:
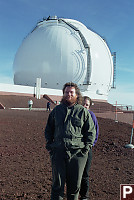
114, 70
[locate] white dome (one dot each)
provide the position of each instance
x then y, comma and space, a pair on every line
62, 50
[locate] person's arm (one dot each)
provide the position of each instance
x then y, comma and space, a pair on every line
96, 126
97, 132
49, 131
89, 133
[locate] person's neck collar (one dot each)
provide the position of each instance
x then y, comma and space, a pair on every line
69, 106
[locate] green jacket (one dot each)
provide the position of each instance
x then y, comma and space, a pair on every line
71, 128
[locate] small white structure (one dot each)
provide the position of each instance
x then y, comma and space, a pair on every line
38, 86
63, 50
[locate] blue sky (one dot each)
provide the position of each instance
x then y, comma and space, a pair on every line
113, 20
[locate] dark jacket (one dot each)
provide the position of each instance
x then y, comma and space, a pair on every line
71, 128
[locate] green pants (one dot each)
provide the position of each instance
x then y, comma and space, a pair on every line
30, 107
66, 170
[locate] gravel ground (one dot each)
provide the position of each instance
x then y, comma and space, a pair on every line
25, 169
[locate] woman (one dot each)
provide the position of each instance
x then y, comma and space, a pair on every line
85, 178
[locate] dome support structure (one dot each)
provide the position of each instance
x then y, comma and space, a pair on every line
86, 46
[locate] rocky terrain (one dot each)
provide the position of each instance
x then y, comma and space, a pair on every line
25, 169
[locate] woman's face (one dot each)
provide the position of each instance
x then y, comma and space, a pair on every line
86, 104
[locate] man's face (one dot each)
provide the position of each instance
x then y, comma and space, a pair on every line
70, 96
86, 104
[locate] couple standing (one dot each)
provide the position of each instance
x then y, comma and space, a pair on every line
70, 133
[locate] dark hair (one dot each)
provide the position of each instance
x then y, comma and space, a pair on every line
88, 98
77, 90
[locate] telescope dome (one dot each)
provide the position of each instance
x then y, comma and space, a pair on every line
62, 50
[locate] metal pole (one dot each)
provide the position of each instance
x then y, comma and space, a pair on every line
131, 145
131, 136
132, 130
116, 113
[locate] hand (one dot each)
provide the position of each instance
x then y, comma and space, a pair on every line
84, 151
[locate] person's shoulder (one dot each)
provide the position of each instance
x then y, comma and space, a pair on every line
81, 108
91, 112
57, 107
78, 106
93, 116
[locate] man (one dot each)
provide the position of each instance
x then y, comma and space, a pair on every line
30, 104
69, 134
48, 106
85, 178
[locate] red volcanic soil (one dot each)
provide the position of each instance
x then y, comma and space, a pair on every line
25, 169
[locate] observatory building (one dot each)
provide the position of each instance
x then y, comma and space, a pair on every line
62, 50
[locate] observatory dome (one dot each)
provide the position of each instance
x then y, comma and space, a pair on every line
61, 50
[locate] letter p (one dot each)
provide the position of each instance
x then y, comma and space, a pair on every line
127, 190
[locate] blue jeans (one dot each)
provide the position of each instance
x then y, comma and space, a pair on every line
85, 178
69, 170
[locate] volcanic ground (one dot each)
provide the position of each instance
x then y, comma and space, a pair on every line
25, 168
